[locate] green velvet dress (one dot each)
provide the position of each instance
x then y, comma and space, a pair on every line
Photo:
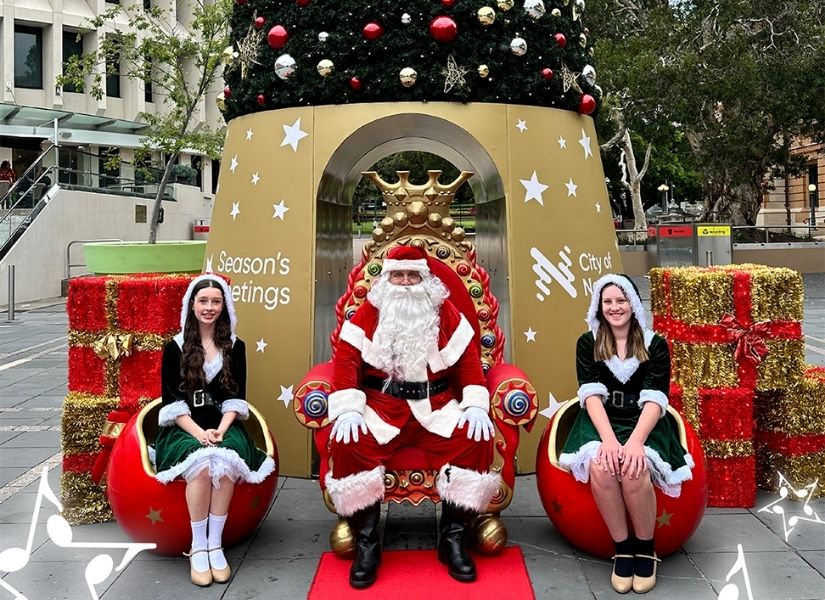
668, 462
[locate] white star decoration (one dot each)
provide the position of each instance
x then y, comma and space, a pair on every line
255, 178
249, 134
261, 345
585, 144
530, 334
521, 126
293, 135
234, 164
286, 395
280, 210
236, 210
552, 406
598, 208
209, 265
534, 189
806, 492
571, 188
562, 143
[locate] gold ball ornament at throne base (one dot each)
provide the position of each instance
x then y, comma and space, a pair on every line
490, 535
341, 540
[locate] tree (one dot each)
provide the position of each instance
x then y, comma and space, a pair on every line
181, 64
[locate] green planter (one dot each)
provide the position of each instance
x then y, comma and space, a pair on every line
115, 258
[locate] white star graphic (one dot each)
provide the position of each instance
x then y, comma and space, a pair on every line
521, 125
786, 490
571, 188
280, 210
530, 334
236, 210
286, 395
209, 264
234, 164
249, 134
261, 345
562, 143
293, 135
534, 189
255, 178
585, 144
552, 406
598, 208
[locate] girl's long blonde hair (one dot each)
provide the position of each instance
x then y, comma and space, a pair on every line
605, 346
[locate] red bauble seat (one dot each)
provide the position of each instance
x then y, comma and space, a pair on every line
572, 509
149, 511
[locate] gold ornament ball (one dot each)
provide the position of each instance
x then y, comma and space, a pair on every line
341, 541
228, 55
491, 535
458, 234
448, 224
486, 16
378, 235
325, 67
505, 5
556, 12
408, 76
483, 71
220, 100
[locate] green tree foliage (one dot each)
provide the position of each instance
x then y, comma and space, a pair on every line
181, 63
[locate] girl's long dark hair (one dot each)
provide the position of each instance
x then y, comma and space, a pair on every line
605, 345
193, 356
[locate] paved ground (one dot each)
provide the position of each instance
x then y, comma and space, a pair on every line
280, 559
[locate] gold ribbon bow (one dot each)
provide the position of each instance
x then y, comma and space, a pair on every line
113, 345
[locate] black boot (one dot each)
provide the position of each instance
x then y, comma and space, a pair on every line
451, 547
364, 527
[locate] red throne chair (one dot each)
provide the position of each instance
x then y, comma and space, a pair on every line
572, 509
150, 511
418, 215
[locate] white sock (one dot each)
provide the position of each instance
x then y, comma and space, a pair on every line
200, 561
216, 557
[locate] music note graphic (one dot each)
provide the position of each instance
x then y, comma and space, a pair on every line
731, 590
60, 532
785, 490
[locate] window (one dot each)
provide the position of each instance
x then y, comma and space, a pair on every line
147, 80
72, 46
28, 57
147, 4
113, 75
813, 178
216, 171
109, 174
197, 163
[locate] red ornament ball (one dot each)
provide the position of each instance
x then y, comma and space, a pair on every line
227, 92
261, 99
447, 3
547, 73
355, 84
259, 22
277, 37
561, 40
372, 30
587, 104
302, 3
444, 29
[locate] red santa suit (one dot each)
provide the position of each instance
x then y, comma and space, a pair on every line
455, 380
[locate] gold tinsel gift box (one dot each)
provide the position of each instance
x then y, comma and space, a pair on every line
791, 434
729, 327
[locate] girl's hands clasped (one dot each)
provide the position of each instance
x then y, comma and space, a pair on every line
634, 463
610, 456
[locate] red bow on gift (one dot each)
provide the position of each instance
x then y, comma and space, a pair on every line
750, 342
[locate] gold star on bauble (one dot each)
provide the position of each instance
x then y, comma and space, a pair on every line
154, 515
248, 49
569, 79
454, 75
664, 518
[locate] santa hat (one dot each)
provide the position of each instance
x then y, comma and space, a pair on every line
630, 291
406, 258
228, 302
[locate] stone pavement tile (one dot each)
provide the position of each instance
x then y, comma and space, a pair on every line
56, 581
7, 475
16, 374
59, 390
96, 532
36, 439
15, 420
43, 401
29, 388
525, 502
297, 483
743, 529
408, 527
19, 456
291, 539
773, 575
7, 400
16, 535
20, 507
276, 579
536, 535
556, 577
159, 579
300, 504
5, 436
816, 559
712, 510
803, 536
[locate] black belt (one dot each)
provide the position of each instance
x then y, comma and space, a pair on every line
622, 400
200, 399
407, 390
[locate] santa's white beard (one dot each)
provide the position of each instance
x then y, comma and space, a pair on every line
407, 330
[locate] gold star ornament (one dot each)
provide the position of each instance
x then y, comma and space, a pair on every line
154, 516
569, 79
454, 75
664, 518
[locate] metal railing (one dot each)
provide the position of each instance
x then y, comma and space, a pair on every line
773, 234
70, 264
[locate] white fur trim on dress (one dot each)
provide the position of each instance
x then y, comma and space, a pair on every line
236, 405
592, 389
655, 396
475, 395
357, 491
662, 474
629, 292
420, 265
449, 354
467, 489
344, 400
169, 412
221, 462
622, 369
228, 302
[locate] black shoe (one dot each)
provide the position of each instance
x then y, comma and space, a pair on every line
364, 527
451, 547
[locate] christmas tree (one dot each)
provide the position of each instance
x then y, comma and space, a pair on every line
314, 52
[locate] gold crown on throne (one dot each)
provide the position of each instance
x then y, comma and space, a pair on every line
417, 209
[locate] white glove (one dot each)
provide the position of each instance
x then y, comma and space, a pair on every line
479, 423
346, 426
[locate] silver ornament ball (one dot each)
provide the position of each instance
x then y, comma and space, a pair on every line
323, 37
284, 66
534, 8
589, 74
408, 76
518, 46
406, 19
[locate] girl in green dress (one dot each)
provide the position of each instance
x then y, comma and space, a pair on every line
200, 437
621, 443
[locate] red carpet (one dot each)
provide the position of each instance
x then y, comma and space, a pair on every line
417, 574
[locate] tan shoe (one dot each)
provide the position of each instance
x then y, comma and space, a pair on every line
619, 583
220, 575
642, 585
200, 578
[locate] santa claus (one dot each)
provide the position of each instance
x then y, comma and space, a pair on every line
407, 372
